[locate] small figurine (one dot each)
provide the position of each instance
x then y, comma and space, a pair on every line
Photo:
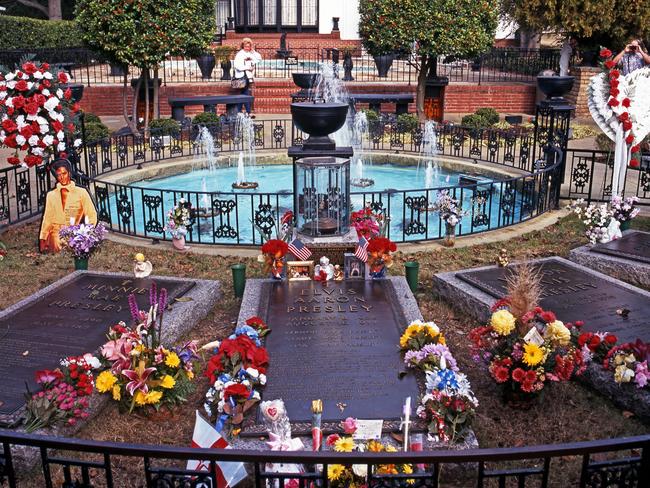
142, 268
502, 258
324, 266
338, 273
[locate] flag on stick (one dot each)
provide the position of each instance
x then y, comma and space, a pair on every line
298, 249
362, 250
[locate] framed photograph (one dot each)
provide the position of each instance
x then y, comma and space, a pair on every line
355, 269
300, 270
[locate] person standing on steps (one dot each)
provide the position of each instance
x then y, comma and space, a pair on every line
633, 57
244, 63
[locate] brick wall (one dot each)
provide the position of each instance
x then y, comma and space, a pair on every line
578, 94
274, 96
295, 40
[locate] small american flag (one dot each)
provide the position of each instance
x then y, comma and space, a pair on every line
362, 250
298, 249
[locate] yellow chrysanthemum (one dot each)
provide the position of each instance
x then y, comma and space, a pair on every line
407, 468
410, 331
172, 360
153, 396
117, 393
105, 381
167, 382
533, 354
190, 375
344, 444
335, 471
390, 448
140, 398
374, 446
557, 332
503, 322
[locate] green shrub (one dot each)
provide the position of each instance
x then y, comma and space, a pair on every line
407, 122
474, 121
27, 33
166, 126
604, 143
206, 118
371, 115
490, 115
90, 118
96, 131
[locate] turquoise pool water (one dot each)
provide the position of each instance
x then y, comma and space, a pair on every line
231, 212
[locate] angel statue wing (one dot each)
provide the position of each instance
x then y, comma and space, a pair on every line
597, 97
638, 91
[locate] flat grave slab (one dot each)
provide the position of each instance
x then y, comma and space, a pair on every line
72, 316
338, 343
627, 259
574, 292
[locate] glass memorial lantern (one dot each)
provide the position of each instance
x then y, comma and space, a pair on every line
322, 196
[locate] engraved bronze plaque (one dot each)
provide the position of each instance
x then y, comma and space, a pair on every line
574, 294
71, 320
633, 245
338, 342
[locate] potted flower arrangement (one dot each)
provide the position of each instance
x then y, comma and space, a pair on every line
138, 371
629, 362
598, 220
379, 258
524, 346
178, 220
82, 240
367, 223
223, 54
236, 371
624, 210
38, 113
451, 213
273, 254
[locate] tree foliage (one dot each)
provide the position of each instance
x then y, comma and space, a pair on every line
608, 22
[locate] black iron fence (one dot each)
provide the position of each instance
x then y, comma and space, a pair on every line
497, 65
623, 462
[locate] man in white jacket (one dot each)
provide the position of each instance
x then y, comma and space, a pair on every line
245, 62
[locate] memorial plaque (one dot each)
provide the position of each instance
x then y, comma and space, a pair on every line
574, 294
71, 320
633, 245
337, 342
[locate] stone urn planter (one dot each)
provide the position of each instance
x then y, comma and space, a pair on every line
226, 66
206, 64
383, 63
306, 81
555, 87
319, 120
347, 67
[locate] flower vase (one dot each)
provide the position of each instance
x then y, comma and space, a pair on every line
80, 263
520, 400
625, 225
277, 270
179, 243
450, 235
378, 273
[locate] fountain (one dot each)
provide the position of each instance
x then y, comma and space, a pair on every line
245, 131
205, 143
205, 209
360, 135
331, 89
429, 151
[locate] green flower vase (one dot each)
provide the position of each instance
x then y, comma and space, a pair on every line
80, 264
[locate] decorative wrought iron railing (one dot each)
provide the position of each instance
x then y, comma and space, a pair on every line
497, 65
623, 462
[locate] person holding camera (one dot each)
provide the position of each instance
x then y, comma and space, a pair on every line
244, 63
633, 57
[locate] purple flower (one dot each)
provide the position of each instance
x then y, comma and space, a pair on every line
133, 307
641, 375
162, 300
153, 294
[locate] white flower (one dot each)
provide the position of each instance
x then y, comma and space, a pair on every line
262, 379
59, 93
9, 102
38, 75
220, 405
47, 75
3, 95
51, 104
33, 140
41, 120
46, 92
25, 76
10, 76
20, 122
11, 85
44, 128
20, 140
256, 395
30, 85
38, 151
360, 470
246, 383
60, 146
252, 372
77, 142
48, 140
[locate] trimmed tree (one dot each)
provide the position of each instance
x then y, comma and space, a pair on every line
144, 33
464, 28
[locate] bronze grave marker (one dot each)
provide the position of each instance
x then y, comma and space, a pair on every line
633, 245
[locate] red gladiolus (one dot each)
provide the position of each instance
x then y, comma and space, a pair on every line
613, 102
605, 53
634, 163
630, 138
626, 102
609, 64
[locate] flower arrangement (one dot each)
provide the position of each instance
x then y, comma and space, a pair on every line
448, 405
273, 253
629, 362
449, 208
37, 113
137, 370
178, 219
368, 224
596, 218
63, 396
379, 258
82, 240
236, 371
346, 476
624, 209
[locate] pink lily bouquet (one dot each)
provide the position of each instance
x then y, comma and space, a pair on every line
138, 371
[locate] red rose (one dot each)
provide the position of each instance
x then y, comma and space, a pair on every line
45, 66
9, 125
614, 73
10, 141
609, 64
605, 53
624, 116
67, 94
13, 160
31, 108
31, 160
518, 375
19, 101
584, 338
636, 148
578, 323
634, 163
626, 102
46, 83
611, 339
613, 102
594, 342
62, 77
548, 317
614, 92
39, 99
29, 68
26, 132
75, 107
630, 138
613, 83
21, 85
57, 126
236, 390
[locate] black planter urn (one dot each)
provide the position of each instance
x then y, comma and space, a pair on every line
383, 63
555, 87
206, 64
319, 120
225, 70
347, 67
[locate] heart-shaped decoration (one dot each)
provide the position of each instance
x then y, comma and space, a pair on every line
635, 87
273, 410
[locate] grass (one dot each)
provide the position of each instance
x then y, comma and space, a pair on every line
569, 411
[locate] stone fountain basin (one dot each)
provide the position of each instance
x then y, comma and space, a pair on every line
319, 119
555, 86
306, 80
